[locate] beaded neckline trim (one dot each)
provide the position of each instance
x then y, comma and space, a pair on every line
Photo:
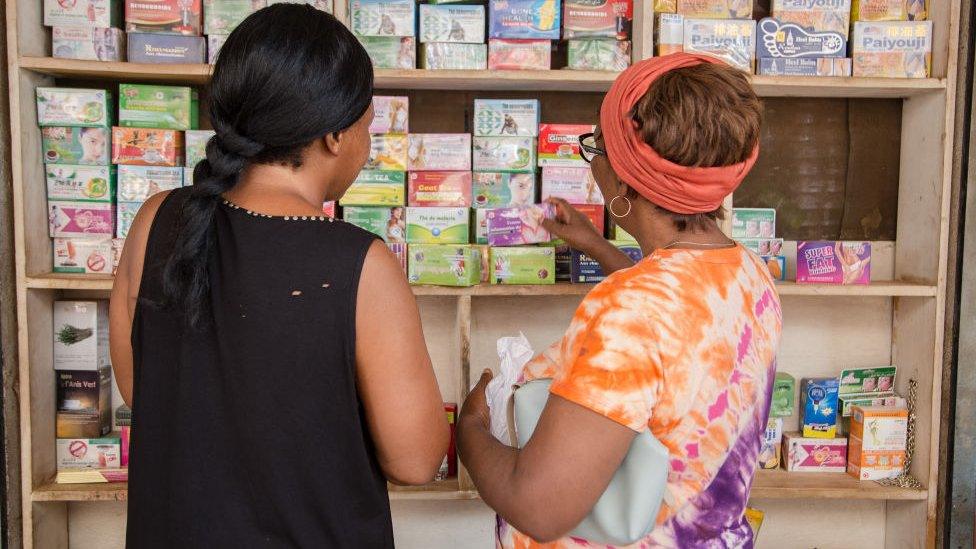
251, 213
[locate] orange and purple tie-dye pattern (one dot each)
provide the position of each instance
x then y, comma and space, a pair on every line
683, 343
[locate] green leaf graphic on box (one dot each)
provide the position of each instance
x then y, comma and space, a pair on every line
69, 335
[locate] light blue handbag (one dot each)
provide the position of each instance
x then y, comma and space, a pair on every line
627, 510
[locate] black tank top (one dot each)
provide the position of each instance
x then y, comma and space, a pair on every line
250, 432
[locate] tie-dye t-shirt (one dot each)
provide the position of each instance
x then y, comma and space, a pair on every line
683, 343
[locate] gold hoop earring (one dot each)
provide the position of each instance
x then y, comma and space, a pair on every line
615, 214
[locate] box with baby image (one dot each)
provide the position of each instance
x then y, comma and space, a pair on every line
83, 255
84, 402
387, 223
833, 262
74, 107
87, 146
437, 225
147, 147
500, 117
74, 218
440, 189
460, 23
163, 107
391, 114
444, 264
523, 265
439, 152
502, 190
376, 188
519, 226
504, 154
387, 152
80, 183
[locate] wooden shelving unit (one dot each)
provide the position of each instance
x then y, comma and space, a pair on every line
898, 318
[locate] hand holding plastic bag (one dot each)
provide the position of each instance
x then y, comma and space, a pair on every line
514, 353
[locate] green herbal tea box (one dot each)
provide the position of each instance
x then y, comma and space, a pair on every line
753, 223
80, 183
391, 52
450, 56
376, 188
598, 55
452, 23
497, 117
444, 264
437, 225
163, 107
223, 16
784, 396
504, 154
523, 265
65, 145
867, 380
383, 17
387, 223
195, 142
81, 335
74, 107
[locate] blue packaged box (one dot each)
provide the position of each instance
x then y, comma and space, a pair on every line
779, 40
818, 402
823, 66
586, 270
147, 47
535, 19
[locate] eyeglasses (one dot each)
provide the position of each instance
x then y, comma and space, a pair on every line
588, 148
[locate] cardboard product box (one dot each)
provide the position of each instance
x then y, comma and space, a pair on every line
439, 152
388, 152
391, 114
782, 40
84, 402
887, 10
81, 335
531, 19
504, 154
595, 54
440, 189
506, 117
164, 17
195, 142
753, 223
125, 433
74, 107
665, 6
399, 250
214, 43
502, 190
391, 52
600, 19
484, 252
96, 14
888, 399
87, 219
833, 262
223, 16
596, 213
835, 66
818, 404
519, 54
93, 453
523, 265
669, 34
147, 147
376, 188
564, 261
715, 9
877, 442
147, 47
814, 455
83, 475
388, 223
519, 226
437, 225
763, 246
80, 183
383, 17
448, 468
559, 145
479, 229
776, 265
118, 244
138, 183
733, 41
574, 185
867, 380
83, 255
817, 15
329, 208
125, 215
88, 43
461, 23
770, 453
586, 270
444, 264
66, 145
892, 49
450, 56
784, 396
162, 107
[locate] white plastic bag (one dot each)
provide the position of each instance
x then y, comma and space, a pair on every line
514, 353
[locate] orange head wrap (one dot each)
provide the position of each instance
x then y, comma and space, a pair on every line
680, 189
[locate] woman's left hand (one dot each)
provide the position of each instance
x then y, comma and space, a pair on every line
475, 408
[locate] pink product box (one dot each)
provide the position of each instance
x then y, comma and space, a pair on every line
574, 185
833, 262
519, 226
125, 433
390, 114
81, 219
821, 455
514, 54
441, 189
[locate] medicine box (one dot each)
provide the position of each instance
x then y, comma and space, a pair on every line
399, 251
499, 117
504, 154
444, 264
73, 218
596, 54
383, 17
138, 183
461, 23
867, 380
877, 442
574, 185
782, 40
196, 145
848, 402
833, 262
329, 208
448, 468
144, 47
74, 107
118, 245
715, 9
733, 41
669, 33
80, 183
515, 54
892, 49
814, 455
125, 215
451, 56
883, 10
223, 16
784, 395
586, 270
376, 188
559, 145
816, 15
599, 19
164, 17
776, 265
833, 66
665, 6
147, 147
387, 223
388, 152
214, 43
391, 114
81, 335
596, 213
391, 52
66, 145
439, 152
125, 434
437, 225
753, 223
502, 190
564, 261
519, 226
83, 255
96, 14
93, 453
770, 452
163, 107
88, 43
539, 19
84, 402
818, 405
523, 265
763, 246
440, 189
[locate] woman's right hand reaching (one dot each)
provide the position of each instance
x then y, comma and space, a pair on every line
574, 228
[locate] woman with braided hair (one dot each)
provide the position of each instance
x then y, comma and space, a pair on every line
273, 358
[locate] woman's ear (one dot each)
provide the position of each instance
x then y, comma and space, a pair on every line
332, 142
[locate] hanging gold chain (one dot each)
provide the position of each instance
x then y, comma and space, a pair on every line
905, 479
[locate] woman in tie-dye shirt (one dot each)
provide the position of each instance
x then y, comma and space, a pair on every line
683, 343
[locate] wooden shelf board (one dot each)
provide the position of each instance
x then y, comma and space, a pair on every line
553, 80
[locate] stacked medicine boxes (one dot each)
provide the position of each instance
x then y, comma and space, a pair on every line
520, 33
719, 28
891, 39
165, 31
598, 34
755, 229
802, 39
85, 30
452, 36
387, 29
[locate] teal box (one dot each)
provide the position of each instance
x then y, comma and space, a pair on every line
163, 107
